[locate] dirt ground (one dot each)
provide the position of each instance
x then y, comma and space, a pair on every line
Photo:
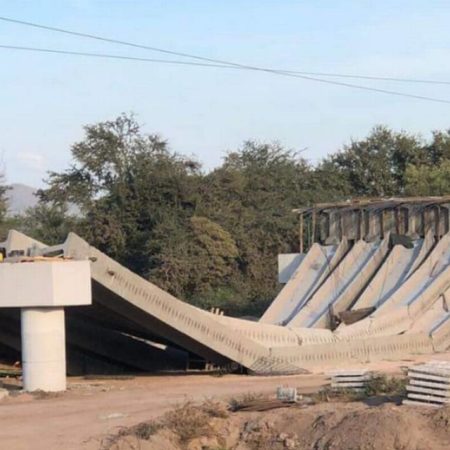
93, 409
323, 426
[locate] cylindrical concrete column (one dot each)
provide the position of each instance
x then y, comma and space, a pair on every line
43, 349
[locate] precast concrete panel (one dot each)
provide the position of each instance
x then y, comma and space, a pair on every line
344, 283
317, 264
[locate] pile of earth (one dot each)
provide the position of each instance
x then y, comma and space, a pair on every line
325, 426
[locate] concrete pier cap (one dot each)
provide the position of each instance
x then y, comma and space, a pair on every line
42, 288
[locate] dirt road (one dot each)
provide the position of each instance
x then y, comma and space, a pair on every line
91, 409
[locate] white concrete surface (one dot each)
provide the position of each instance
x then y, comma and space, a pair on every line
391, 275
287, 265
315, 267
43, 349
343, 284
59, 283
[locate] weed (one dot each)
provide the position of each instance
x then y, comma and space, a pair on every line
328, 394
190, 421
142, 431
187, 422
383, 385
375, 386
214, 409
145, 430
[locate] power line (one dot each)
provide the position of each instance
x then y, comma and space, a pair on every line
115, 41
191, 63
224, 66
369, 77
111, 56
213, 60
223, 62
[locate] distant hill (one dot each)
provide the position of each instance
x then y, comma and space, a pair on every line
21, 197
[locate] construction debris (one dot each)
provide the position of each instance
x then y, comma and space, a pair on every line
350, 379
349, 317
429, 384
263, 405
288, 394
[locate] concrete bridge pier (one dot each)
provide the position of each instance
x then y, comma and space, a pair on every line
43, 349
41, 288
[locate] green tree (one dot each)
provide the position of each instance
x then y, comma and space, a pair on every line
426, 180
193, 261
252, 195
375, 166
5, 221
439, 148
125, 184
48, 223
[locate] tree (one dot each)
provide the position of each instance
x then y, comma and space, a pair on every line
5, 221
375, 166
439, 148
251, 196
125, 184
426, 180
194, 260
48, 223
4, 188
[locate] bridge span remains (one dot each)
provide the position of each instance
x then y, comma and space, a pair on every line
373, 285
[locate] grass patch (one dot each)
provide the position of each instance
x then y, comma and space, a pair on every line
187, 421
378, 385
214, 409
384, 385
190, 421
142, 431
145, 430
328, 394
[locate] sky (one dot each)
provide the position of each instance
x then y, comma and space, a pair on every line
45, 100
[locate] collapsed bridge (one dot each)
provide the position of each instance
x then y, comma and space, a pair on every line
374, 285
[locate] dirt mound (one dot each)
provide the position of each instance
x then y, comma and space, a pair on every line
440, 424
382, 428
329, 426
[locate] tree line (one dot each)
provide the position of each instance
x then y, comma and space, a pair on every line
212, 237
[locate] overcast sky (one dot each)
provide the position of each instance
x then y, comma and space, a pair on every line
46, 99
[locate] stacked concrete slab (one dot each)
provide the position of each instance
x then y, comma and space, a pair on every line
429, 384
349, 379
